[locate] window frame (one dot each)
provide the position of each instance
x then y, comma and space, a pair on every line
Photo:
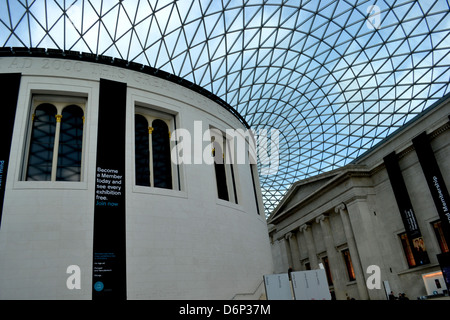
326, 266
348, 264
150, 114
254, 172
407, 250
438, 232
231, 170
60, 102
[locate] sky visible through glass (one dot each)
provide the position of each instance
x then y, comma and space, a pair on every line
333, 77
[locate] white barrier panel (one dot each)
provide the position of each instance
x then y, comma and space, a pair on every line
310, 285
278, 287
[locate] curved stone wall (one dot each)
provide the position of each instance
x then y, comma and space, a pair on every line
105, 232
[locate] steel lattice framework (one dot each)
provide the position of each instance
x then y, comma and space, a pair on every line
334, 77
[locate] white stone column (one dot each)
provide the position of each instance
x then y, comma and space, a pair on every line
361, 220
277, 256
336, 264
287, 253
295, 253
312, 255
356, 262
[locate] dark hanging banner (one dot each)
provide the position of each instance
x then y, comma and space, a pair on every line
109, 263
435, 181
9, 91
444, 263
406, 210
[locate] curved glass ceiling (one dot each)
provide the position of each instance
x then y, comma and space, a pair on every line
334, 77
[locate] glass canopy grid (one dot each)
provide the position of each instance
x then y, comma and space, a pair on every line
333, 77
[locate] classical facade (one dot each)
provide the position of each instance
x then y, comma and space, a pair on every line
377, 214
101, 197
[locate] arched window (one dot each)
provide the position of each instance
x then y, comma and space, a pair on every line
70, 144
162, 167
142, 157
219, 168
40, 156
153, 162
223, 167
56, 140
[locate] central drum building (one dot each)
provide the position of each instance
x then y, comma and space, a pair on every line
95, 202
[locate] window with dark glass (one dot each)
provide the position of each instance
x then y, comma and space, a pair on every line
153, 165
70, 144
162, 166
407, 250
223, 167
142, 153
437, 227
233, 181
56, 142
254, 173
40, 155
349, 265
219, 168
326, 265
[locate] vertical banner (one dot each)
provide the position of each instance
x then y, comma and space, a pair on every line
415, 239
444, 262
109, 265
435, 181
9, 91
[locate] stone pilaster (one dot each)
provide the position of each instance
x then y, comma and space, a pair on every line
312, 255
356, 262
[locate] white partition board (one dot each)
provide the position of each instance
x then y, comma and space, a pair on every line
278, 287
310, 285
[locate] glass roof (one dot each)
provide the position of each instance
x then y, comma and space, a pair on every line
333, 77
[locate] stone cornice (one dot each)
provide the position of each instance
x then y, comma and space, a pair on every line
347, 172
401, 154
